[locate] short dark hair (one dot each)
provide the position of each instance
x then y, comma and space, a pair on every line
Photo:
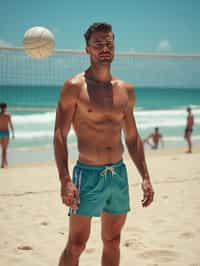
96, 27
3, 105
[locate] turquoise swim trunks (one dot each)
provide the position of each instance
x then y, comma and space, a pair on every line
4, 134
102, 188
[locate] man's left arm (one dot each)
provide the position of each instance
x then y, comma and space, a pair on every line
136, 150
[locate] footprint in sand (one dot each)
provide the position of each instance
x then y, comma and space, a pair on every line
187, 235
133, 243
44, 223
90, 250
160, 255
25, 247
128, 243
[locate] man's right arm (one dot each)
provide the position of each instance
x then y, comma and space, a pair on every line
64, 116
136, 149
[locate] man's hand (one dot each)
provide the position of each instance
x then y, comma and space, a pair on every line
70, 195
148, 193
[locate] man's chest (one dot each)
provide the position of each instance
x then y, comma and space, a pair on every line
104, 100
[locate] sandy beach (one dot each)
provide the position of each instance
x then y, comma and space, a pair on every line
34, 222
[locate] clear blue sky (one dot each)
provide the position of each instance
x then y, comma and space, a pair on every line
141, 26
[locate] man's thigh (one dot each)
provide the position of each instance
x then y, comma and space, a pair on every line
4, 142
112, 225
79, 227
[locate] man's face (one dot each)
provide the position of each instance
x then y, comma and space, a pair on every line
3, 109
101, 47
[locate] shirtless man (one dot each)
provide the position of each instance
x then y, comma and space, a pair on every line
98, 105
156, 137
5, 123
188, 129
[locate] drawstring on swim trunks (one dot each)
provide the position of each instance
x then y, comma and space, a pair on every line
106, 170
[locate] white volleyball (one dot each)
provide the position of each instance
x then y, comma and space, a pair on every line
38, 42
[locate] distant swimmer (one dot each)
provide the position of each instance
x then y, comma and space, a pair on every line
5, 124
154, 139
189, 129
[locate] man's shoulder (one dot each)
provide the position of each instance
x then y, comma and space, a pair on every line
123, 84
5, 115
127, 88
75, 81
73, 85
8, 114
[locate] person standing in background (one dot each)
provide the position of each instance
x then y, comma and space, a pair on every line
188, 129
5, 125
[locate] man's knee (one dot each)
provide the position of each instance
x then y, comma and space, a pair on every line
111, 243
75, 247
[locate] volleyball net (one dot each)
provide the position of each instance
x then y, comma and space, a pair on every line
26, 82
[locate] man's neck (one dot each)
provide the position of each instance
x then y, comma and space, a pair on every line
99, 73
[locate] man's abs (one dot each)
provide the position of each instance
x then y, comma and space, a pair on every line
91, 152
99, 144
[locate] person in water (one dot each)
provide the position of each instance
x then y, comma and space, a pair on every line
154, 139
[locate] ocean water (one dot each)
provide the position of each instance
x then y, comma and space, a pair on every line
33, 115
